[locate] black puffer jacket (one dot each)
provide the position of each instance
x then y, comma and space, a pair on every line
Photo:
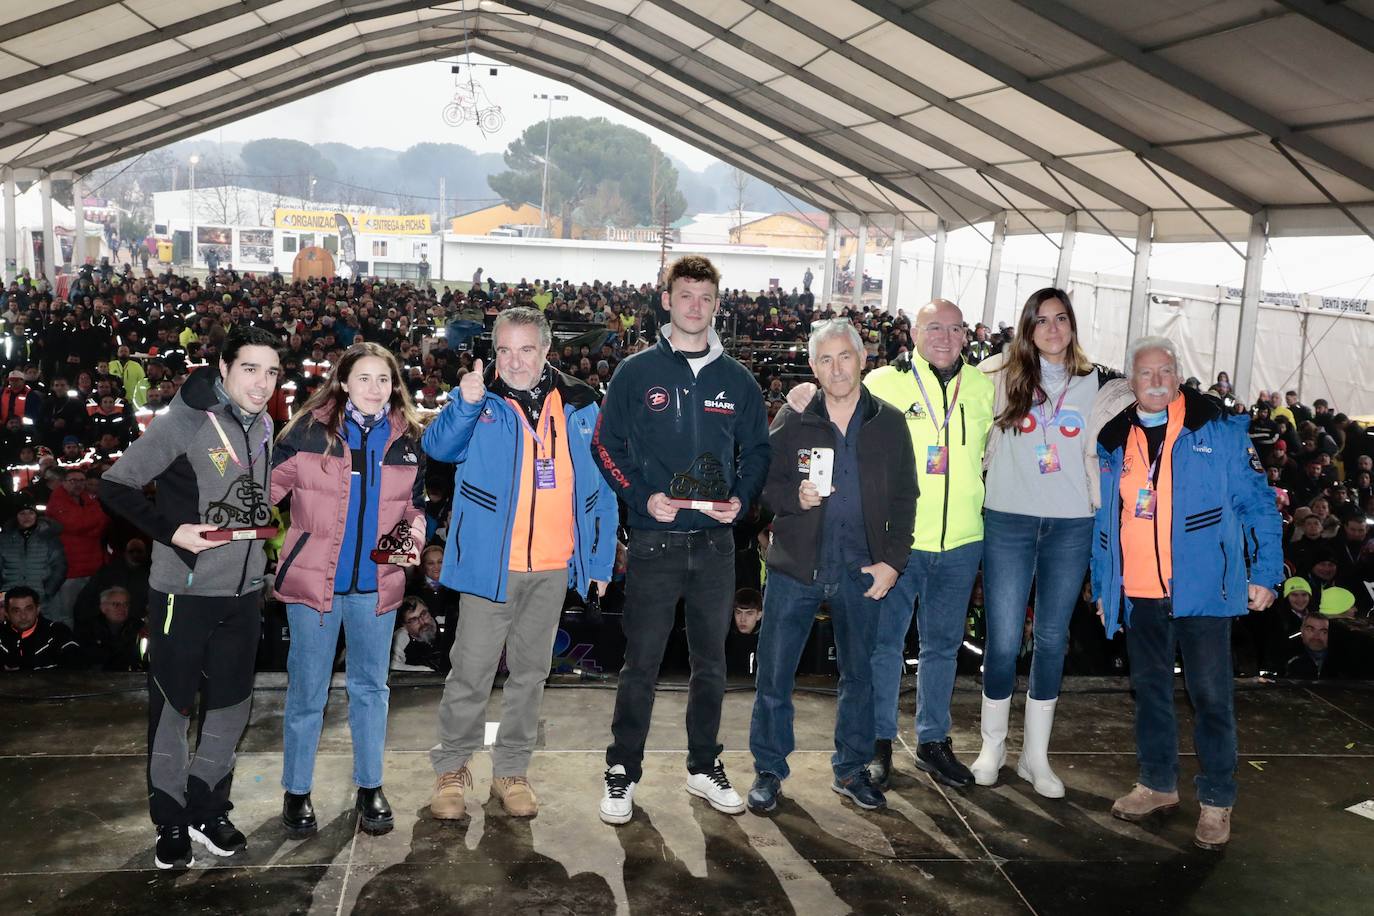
33, 558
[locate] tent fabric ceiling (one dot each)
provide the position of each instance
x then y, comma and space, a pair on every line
918, 110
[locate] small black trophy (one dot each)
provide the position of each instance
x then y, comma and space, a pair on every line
396, 546
702, 486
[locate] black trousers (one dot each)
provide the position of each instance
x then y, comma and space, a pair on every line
204, 647
666, 566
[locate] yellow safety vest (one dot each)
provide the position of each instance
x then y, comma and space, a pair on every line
949, 511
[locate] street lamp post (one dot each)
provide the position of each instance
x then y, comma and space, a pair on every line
194, 160
548, 128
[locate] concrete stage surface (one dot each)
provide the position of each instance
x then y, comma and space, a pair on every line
74, 834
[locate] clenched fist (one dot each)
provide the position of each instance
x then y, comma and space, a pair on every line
471, 386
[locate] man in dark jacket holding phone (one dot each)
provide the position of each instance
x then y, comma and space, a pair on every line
842, 538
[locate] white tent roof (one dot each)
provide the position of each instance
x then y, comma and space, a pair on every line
923, 109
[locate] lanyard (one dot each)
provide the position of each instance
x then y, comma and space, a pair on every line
550, 432
930, 409
224, 440
1046, 421
1150, 480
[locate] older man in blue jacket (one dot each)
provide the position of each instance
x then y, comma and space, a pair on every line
532, 517
1187, 538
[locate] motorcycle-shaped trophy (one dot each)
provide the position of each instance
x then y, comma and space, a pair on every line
470, 103
701, 487
396, 546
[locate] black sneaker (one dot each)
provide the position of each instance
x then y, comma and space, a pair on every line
220, 836
860, 791
763, 796
880, 770
937, 758
173, 847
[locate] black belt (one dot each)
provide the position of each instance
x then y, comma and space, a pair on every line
678, 535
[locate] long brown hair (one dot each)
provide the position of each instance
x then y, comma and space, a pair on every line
332, 395
1022, 364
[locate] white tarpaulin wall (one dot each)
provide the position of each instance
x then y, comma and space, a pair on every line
1201, 320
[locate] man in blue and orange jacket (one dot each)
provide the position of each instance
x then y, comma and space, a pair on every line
1187, 538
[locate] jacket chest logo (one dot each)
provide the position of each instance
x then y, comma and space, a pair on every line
219, 457
916, 411
804, 461
719, 404
656, 398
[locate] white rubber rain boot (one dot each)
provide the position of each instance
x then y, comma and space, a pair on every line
1034, 765
994, 752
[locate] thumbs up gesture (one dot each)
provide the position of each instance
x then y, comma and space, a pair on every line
471, 386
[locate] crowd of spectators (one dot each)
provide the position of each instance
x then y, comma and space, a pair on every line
85, 373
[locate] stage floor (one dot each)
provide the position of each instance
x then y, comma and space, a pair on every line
74, 834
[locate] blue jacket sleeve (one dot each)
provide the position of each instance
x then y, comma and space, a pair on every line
446, 439
601, 560
1101, 561
1253, 502
755, 453
611, 446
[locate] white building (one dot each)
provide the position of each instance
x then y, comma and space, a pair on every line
714, 228
240, 225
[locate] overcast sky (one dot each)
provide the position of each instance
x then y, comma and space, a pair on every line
398, 108
402, 107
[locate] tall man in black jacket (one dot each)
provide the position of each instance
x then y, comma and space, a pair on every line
845, 548
682, 407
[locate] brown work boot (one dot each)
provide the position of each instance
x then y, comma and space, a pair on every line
517, 798
447, 803
1141, 802
1213, 828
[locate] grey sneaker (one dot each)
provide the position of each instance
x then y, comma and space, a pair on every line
763, 795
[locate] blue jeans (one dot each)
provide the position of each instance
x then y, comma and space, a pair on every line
1055, 553
309, 666
943, 580
789, 610
1205, 643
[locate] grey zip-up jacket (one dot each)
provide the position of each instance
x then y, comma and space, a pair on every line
199, 481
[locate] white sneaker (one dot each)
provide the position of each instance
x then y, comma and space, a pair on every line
618, 804
716, 789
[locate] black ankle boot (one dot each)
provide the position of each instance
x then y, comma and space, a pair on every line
937, 758
880, 770
374, 813
298, 815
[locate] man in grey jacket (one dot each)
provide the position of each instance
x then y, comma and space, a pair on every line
31, 554
210, 457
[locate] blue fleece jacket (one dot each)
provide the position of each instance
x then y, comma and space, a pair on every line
357, 571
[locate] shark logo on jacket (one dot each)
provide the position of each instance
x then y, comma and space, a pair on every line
719, 404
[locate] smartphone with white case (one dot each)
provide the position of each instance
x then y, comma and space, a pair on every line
822, 467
